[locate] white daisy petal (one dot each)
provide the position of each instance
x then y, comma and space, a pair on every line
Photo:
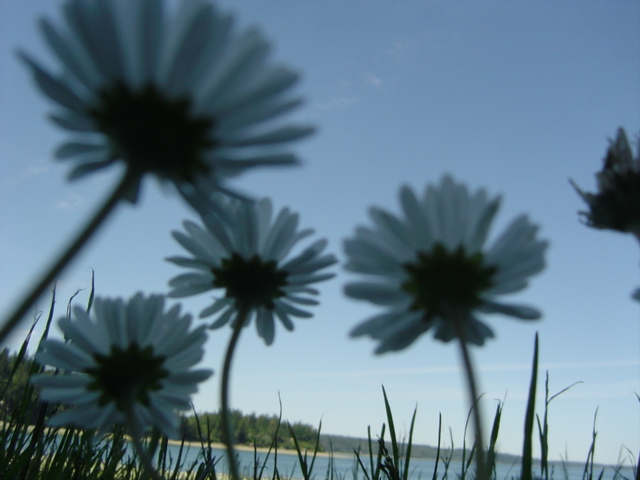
188, 263
189, 279
143, 28
72, 56
72, 149
377, 293
75, 123
68, 394
302, 300
62, 356
75, 417
270, 84
378, 323
217, 306
55, 89
61, 381
311, 278
291, 310
232, 166
251, 50
83, 334
285, 319
523, 312
284, 134
223, 319
200, 251
252, 114
265, 325
194, 21
401, 339
85, 168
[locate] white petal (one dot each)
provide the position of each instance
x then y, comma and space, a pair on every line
67, 357
72, 55
265, 325
55, 89
523, 312
283, 134
75, 123
72, 149
291, 310
376, 293
216, 307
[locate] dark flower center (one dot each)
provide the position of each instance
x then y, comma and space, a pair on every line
617, 205
251, 282
443, 281
152, 133
126, 376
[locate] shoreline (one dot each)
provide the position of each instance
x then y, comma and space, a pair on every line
247, 448
284, 451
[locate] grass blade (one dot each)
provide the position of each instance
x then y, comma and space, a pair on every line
588, 466
405, 473
527, 461
491, 452
392, 429
92, 292
435, 468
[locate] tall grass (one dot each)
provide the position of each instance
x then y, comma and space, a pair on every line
31, 451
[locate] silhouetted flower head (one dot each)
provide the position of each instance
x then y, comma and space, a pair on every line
128, 362
430, 269
616, 205
178, 94
249, 258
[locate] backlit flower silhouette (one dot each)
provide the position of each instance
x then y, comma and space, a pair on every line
176, 93
430, 269
249, 258
129, 363
616, 205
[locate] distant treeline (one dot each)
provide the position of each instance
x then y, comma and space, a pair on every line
14, 378
252, 429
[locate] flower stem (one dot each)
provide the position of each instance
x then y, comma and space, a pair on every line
227, 428
135, 433
481, 473
90, 228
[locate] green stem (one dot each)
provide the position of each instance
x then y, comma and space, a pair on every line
90, 228
227, 428
481, 473
136, 436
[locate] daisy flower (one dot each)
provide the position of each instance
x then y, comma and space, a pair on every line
129, 363
249, 258
176, 93
616, 206
431, 270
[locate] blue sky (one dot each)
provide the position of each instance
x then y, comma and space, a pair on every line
515, 97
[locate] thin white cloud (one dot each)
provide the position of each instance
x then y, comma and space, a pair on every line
401, 51
604, 364
456, 369
336, 103
374, 80
30, 172
72, 201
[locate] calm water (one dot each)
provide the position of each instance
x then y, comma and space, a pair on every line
343, 467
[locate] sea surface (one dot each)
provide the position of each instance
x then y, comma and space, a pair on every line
344, 466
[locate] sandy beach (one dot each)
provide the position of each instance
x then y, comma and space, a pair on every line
247, 448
